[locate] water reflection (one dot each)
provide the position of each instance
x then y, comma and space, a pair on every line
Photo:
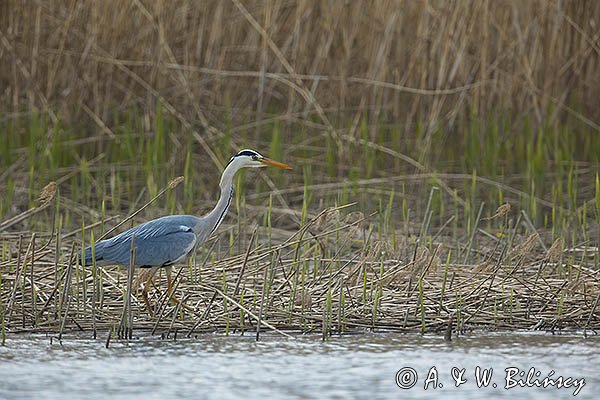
217, 366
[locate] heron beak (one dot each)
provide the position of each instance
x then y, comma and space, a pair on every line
272, 163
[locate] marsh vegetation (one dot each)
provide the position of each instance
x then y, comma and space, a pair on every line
446, 157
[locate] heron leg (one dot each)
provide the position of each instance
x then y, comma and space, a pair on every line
146, 301
172, 295
150, 275
170, 286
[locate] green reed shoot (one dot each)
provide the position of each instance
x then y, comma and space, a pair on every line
378, 293
445, 277
458, 305
560, 303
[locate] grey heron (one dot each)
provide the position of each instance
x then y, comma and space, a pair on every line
169, 240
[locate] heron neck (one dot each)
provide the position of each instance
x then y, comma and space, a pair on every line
216, 216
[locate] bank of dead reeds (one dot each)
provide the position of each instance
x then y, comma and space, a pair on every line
326, 278
429, 114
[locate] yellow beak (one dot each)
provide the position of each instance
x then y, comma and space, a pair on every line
273, 163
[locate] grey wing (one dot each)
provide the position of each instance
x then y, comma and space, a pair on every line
155, 245
165, 250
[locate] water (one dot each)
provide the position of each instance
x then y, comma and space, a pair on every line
232, 367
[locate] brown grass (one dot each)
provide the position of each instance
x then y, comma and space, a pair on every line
361, 290
444, 62
400, 83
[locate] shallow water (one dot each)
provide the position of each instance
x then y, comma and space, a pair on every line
355, 366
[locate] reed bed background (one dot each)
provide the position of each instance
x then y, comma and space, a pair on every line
409, 124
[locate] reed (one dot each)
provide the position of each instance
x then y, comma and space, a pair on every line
392, 151
363, 291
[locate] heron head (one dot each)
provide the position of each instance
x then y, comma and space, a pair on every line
252, 159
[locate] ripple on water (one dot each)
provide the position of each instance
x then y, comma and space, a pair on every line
217, 366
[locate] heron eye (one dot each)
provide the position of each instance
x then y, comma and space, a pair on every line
255, 158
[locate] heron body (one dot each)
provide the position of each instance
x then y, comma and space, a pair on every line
158, 243
169, 240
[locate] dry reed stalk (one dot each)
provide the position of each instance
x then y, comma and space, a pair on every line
171, 185
473, 60
491, 297
56, 259
591, 315
31, 270
554, 252
252, 314
166, 297
65, 298
204, 315
108, 337
53, 296
175, 313
449, 326
532, 228
262, 303
126, 327
525, 248
89, 227
473, 233
95, 288
5, 225
8, 310
239, 279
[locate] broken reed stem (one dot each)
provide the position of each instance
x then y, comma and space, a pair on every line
65, 297
53, 296
88, 227
340, 305
166, 296
109, 336
172, 184
479, 295
23, 216
497, 268
125, 326
175, 312
587, 323
204, 315
239, 279
56, 258
473, 233
262, 302
8, 311
130, 273
33, 296
94, 285
426, 216
253, 315
532, 228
